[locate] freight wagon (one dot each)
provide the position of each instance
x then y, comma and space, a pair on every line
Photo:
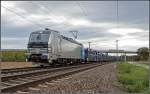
97, 56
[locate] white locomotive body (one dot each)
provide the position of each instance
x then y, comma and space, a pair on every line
49, 47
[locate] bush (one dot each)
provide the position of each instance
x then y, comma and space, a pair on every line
134, 78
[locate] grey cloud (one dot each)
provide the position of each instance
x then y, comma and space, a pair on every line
131, 15
141, 36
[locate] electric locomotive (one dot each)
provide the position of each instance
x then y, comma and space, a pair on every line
49, 47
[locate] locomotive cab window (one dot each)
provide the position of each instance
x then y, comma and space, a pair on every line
39, 37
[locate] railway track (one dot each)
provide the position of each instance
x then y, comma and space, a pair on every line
18, 71
14, 82
15, 70
5, 71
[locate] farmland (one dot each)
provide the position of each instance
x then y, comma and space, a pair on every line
13, 55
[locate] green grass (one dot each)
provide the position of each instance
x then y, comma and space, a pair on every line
133, 78
13, 56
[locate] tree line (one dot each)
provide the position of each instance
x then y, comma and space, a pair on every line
143, 54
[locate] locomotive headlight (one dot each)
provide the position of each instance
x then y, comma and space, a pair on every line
50, 49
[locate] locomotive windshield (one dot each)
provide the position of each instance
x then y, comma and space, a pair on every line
39, 37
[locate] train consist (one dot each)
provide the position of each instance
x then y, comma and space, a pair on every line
49, 47
97, 56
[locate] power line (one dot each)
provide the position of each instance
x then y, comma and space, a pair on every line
84, 8
23, 17
117, 16
37, 4
47, 9
80, 6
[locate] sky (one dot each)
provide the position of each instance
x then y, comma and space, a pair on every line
95, 21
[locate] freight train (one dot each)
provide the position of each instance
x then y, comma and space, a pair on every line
49, 47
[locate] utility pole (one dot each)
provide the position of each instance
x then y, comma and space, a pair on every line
89, 45
89, 50
117, 49
125, 58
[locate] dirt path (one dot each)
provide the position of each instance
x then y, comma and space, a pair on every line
97, 80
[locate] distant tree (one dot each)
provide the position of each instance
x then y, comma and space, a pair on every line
143, 53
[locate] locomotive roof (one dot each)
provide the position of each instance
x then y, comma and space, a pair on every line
70, 39
48, 31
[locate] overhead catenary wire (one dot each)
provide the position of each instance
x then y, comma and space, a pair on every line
48, 10
41, 5
23, 17
117, 16
82, 9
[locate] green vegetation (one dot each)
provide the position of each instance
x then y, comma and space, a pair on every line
133, 78
12, 56
143, 53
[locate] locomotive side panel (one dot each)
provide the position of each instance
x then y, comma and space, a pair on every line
54, 45
70, 49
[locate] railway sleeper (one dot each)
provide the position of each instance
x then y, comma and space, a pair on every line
47, 78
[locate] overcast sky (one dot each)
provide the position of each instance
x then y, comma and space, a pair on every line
96, 21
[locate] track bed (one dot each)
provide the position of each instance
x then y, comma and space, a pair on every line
13, 83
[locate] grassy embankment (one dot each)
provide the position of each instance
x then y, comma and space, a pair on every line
13, 56
133, 78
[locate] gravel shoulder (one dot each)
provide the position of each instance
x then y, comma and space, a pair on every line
96, 80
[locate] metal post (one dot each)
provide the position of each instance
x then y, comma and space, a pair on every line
89, 45
117, 49
89, 51
117, 30
125, 57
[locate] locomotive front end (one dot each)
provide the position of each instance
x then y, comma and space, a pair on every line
38, 46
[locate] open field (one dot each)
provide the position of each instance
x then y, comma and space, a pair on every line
8, 65
133, 78
13, 56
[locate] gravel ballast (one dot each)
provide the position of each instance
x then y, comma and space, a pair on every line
96, 80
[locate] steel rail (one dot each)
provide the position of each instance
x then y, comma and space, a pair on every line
12, 85
15, 70
36, 72
5, 71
